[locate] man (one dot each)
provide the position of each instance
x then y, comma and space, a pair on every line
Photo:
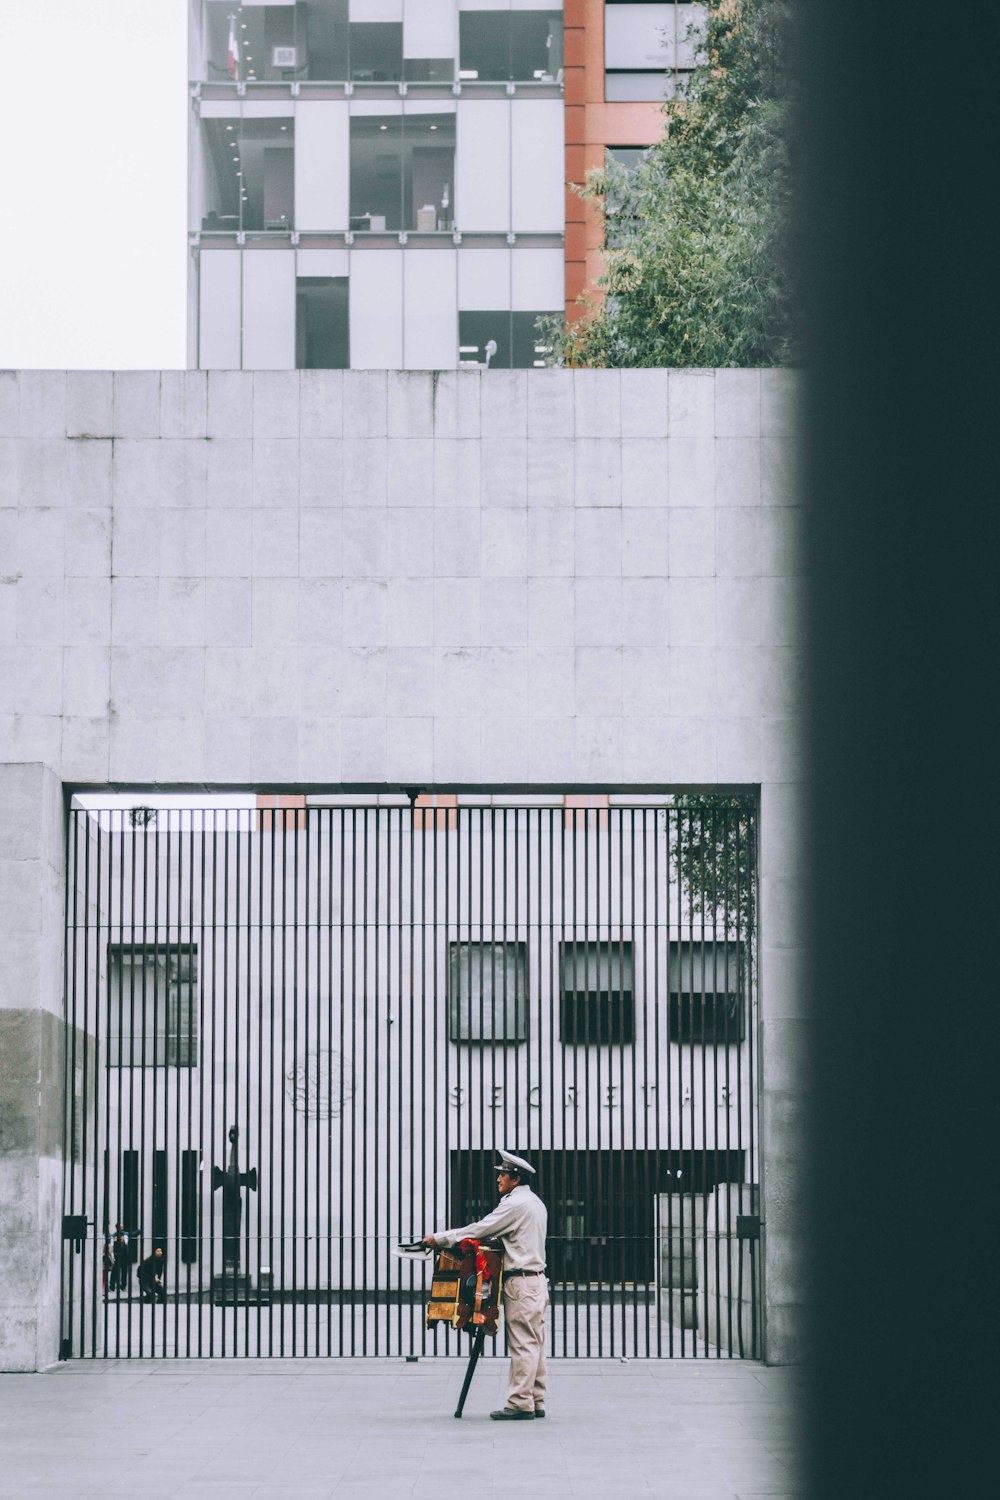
518, 1222
121, 1259
151, 1276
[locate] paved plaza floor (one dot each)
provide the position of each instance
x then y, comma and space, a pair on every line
308, 1430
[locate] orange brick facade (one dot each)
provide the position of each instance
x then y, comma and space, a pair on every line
592, 124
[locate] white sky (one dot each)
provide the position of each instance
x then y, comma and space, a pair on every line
93, 198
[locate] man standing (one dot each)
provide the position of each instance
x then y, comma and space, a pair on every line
519, 1222
121, 1257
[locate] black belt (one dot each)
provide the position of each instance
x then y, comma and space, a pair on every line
508, 1274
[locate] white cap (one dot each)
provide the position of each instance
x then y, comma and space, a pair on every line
510, 1163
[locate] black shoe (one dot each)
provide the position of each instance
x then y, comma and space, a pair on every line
511, 1414
539, 1413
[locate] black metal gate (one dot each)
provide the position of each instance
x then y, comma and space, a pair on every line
298, 1034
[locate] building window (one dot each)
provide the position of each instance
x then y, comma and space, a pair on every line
596, 1002
511, 45
487, 992
649, 48
706, 982
322, 323
275, 43
402, 173
153, 1003
376, 51
519, 346
249, 174
620, 208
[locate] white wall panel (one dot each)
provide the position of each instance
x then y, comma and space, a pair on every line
482, 164
376, 303
375, 10
322, 165
430, 310
323, 263
538, 280
484, 4
538, 166
413, 106
220, 109
269, 310
376, 106
484, 280
219, 309
268, 109
430, 28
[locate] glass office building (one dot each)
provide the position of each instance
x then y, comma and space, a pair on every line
383, 183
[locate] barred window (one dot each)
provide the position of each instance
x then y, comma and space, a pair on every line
706, 991
488, 992
596, 1000
153, 1001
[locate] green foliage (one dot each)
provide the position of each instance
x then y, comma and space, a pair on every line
700, 256
717, 858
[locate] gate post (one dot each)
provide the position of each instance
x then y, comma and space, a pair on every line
32, 1064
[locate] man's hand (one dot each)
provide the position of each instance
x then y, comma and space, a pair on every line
427, 1239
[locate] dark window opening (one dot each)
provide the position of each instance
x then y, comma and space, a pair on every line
596, 1003
487, 992
376, 51
429, 69
322, 323
706, 981
189, 1207
160, 1199
327, 40
519, 346
602, 1204
402, 173
131, 1203
503, 45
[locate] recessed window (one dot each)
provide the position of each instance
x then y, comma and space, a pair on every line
249, 174
596, 1002
519, 345
153, 1005
487, 992
402, 173
649, 48
322, 323
706, 981
511, 45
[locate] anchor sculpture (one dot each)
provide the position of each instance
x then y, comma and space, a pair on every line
232, 1287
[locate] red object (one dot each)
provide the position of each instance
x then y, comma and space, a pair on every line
233, 59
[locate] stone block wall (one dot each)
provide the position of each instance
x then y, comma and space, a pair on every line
582, 579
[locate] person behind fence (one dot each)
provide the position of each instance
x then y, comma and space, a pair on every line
152, 1276
519, 1222
121, 1260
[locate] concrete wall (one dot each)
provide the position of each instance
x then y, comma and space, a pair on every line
32, 1064
324, 578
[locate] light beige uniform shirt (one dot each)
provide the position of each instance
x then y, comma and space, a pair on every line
519, 1220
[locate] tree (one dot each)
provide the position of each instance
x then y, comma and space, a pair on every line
717, 860
700, 235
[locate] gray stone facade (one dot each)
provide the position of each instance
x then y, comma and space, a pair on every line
583, 579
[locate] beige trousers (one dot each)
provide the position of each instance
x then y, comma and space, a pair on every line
525, 1301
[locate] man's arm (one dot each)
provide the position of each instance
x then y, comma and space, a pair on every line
491, 1227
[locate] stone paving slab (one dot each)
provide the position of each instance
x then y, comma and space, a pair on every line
318, 1430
